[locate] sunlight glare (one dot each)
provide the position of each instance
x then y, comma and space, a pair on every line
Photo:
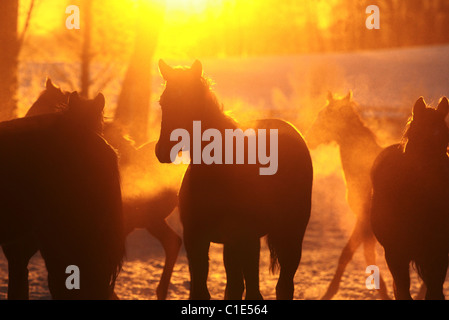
189, 7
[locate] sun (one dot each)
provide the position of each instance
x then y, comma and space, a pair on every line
189, 7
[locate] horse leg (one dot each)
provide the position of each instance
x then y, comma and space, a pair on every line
433, 272
234, 272
171, 243
287, 246
345, 257
399, 268
197, 249
18, 255
422, 292
250, 264
369, 246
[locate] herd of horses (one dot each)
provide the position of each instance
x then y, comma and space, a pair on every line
61, 186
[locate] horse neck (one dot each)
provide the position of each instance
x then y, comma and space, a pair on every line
41, 106
358, 149
422, 158
214, 117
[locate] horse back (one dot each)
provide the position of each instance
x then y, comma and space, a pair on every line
387, 164
232, 199
293, 153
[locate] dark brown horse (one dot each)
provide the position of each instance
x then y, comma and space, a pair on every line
18, 253
60, 187
232, 203
142, 209
339, 122
410, 211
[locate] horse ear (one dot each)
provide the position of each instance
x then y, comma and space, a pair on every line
49, 84
99, 101
419, 107
443, 107
165, 70
197, 69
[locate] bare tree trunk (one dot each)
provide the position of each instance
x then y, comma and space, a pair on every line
9, 61
133, 105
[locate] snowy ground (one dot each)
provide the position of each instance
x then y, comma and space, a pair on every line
326, 235
384, 81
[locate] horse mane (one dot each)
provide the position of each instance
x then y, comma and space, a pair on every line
211, 107
407, 130
215, 107
405, 133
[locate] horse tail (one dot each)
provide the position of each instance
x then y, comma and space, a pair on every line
274, 261
420, 261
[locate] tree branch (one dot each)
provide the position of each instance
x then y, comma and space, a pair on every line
25, 28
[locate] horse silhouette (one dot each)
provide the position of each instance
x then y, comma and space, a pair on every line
339, 122
60, 188
410, 211
141, 209
233, 204
18, 253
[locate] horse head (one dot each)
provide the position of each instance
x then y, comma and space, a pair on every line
428, 133
51, 100
332, 121
86, 113
182, 102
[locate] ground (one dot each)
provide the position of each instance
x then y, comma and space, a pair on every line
326, 235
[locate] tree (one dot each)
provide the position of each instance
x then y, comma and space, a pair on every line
10, 46
133, 105
86, 55
9, 50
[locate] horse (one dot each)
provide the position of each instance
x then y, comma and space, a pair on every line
233, 204
148, 210
410, 212
18, 253
141, 209
60, 187
339, 122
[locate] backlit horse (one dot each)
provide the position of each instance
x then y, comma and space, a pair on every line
150, 194
18, 253
410, 208
60, 187
142, 209
232, 203
339, 122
